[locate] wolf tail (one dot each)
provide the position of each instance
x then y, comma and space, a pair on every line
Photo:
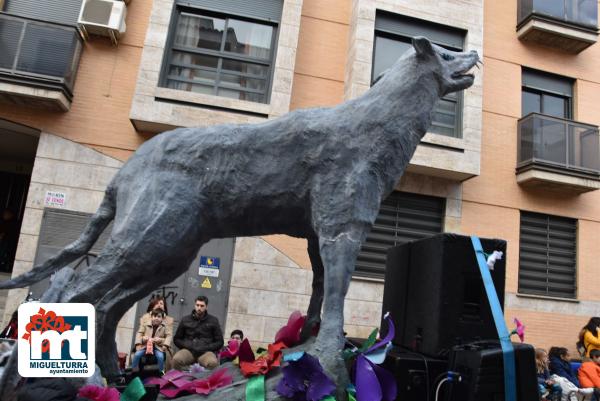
103, 216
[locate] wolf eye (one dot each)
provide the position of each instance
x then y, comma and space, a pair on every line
447, 56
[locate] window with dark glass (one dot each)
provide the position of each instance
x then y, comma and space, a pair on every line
222, 55
393, 36
548, 255
547, 94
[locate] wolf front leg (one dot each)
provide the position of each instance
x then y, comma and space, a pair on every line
313, 315
339, 257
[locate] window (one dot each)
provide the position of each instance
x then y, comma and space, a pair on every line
547, 255
393, 36
547, 94
219, 54
403, 217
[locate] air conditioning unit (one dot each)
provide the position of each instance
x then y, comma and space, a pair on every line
103, 17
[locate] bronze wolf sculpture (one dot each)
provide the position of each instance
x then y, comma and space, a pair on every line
319, 174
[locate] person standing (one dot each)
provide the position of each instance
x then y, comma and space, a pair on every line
198, 337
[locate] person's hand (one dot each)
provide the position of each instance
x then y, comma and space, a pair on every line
144, 339
550, 382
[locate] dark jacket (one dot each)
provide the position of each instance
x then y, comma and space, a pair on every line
563, 369
543, 376
199, 334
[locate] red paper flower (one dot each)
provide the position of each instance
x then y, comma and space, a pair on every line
262, 365
290, 333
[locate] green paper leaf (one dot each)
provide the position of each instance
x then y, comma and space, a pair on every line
255, 388
370, 341
134, 391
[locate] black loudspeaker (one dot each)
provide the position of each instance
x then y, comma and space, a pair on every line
481, 366
435, 293
415, 373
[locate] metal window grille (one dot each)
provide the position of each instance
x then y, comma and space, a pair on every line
548, 255
403, 217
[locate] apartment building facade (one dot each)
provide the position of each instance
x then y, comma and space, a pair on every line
74, 116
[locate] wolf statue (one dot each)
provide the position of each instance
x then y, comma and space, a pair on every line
318, 174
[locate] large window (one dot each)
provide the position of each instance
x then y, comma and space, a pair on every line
548, 255
219, 54
547, 94
403, 217
393, 36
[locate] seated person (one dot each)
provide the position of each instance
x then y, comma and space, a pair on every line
549, 389
589, 373
154, 338
198, 337
229, 352
560, 365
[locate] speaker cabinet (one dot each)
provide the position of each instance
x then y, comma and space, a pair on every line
435, 293
482, 368
415, 373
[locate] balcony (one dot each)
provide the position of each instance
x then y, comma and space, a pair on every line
558, 154
38, 62
569, 25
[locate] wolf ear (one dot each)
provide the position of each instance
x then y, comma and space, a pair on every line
422, 46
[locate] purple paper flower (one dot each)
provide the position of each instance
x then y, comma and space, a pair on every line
304, 380
372, 382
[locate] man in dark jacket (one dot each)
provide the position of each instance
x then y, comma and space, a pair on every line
198, 337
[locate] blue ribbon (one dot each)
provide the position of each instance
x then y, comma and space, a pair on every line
508, 352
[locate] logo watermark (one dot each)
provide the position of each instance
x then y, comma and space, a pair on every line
56, 340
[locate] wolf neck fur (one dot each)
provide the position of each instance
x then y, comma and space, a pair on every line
407, 100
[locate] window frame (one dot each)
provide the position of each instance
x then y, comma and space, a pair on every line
178, 10
537, 89
407, 38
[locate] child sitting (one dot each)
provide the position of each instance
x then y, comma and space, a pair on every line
549, 389
153, 338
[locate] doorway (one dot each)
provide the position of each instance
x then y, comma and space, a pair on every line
18, 147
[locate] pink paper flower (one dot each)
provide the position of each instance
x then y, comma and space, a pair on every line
519, 330
97, 393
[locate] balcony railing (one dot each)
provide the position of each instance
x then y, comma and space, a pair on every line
558, 145
39, 54
582, 13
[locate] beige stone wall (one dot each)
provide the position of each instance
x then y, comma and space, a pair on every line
82, 174
267, 286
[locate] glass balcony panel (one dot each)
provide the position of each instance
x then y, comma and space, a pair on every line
39, 52
578, 12
558, 143
10, 31
553, 8
584, 12
526, 129
584, 148
551, 142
